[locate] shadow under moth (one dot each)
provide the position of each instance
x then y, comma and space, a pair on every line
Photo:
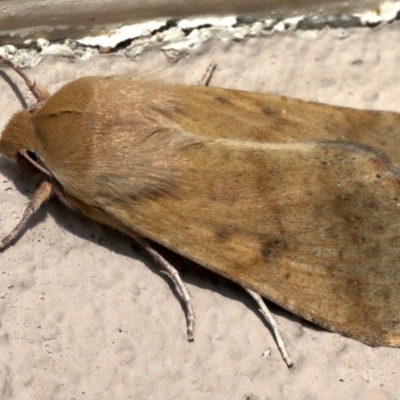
298, 202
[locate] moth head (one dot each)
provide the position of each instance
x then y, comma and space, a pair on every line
17, 141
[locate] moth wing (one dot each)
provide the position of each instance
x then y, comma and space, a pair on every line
311, 227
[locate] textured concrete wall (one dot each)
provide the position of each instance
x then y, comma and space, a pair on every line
57, 19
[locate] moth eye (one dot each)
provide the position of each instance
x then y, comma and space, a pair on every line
32, 155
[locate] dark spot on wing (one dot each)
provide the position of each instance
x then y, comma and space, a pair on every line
269, 111
222, 100
272, 247
222, 234
180, 111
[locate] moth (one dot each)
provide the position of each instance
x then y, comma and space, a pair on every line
298, 202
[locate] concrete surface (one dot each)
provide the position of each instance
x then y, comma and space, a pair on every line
84, 315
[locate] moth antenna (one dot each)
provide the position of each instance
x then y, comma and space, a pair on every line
39, 93
173, 274
40, 195
273, 324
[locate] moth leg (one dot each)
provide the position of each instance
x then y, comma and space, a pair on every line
40, 93
41, 194
173, 274
274, 325
205, 80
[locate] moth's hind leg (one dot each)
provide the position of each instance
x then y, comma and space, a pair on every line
173, 274
41, 194
273, 324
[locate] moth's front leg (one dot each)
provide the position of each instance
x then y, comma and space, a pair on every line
41, 194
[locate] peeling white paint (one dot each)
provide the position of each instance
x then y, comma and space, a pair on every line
177, 38
112, 38
386, 12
